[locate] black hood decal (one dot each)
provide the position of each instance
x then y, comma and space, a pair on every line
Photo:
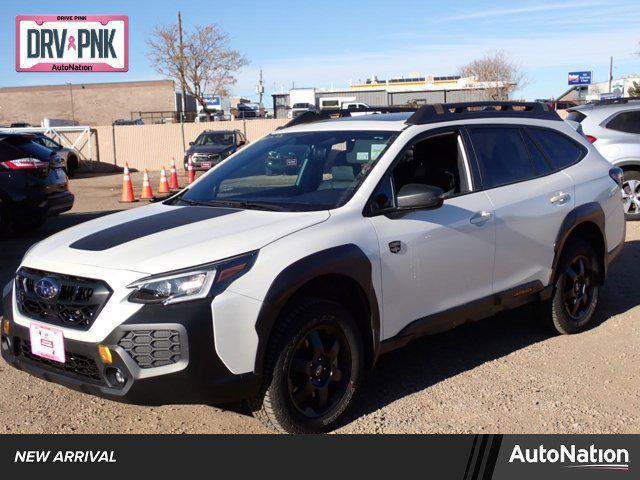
126, 232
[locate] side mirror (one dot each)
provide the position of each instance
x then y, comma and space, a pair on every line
417, 195
192, 143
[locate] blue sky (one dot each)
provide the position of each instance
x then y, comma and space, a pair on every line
331, 42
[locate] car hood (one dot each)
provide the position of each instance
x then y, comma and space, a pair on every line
160, 238
209, 148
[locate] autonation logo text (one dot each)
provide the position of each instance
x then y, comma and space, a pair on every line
573, 457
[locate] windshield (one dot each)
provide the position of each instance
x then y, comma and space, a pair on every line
216, 138
293, 171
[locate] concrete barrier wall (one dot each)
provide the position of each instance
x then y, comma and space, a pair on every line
153, 146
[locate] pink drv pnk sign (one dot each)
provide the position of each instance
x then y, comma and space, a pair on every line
72, 43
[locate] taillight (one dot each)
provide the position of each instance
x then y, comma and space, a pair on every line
617, 174
591, 138
24, 164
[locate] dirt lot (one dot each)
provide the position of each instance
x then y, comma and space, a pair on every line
504, 374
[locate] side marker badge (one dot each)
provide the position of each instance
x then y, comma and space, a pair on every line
395, 246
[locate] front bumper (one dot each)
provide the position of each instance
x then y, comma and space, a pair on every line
197, 164
198, 376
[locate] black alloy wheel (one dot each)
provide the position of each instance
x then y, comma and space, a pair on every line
319, 371
578, 288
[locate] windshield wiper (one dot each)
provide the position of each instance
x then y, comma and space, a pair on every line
234, 204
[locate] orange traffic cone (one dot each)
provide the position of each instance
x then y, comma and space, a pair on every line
173, 179
164, 186
147, 193
127, 187
191, 173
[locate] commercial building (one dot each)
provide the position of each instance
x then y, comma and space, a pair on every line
90, 103
412, 90
579, 94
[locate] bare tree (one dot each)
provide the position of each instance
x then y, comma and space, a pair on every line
209, 65
503, 75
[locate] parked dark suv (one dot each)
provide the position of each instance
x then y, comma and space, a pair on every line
213, 146
33, 183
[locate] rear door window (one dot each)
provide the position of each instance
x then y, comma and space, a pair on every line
561, 150
542, 166
502, 155
628, 122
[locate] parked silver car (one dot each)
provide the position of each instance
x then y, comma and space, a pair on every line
613, 126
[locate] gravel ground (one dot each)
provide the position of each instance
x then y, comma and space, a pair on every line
504, 374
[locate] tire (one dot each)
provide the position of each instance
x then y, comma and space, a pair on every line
72, 166
575, 299
631, 194
314, 367
27, 224
4, 218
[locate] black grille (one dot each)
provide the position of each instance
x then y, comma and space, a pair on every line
152, 348
206, 157
75, 363
76, 305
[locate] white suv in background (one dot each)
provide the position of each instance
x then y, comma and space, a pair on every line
283, 289
613, 126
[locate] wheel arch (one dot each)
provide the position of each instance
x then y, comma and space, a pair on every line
586, 221
342, 274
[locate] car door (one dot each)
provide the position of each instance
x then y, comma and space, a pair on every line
531, 200
434, 259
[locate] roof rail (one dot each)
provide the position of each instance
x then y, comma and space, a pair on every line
443, 112
327, 114
613, 101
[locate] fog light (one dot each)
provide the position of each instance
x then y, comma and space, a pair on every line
5, 327
105, 354
120, 378
115, 376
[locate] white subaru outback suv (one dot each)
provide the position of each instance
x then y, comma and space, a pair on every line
283, 289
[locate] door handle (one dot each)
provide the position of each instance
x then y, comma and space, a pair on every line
480, 218
560, 198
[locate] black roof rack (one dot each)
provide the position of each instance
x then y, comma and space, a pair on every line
613, 101
328, 114
443, 112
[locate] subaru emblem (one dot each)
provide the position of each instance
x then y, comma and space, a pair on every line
47, 288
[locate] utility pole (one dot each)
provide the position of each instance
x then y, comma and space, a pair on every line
610, 73
182, 79
260, 89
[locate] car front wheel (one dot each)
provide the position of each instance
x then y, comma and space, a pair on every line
315, 365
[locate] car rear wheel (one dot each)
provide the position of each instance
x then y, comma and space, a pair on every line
72, 166
572, 308
27, 224
4, 218
631, 194
315, 364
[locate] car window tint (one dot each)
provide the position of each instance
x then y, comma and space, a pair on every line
559, 149
628, 122
540, 163
8, 152
502, 155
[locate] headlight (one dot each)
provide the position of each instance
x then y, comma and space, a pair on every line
192, 283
